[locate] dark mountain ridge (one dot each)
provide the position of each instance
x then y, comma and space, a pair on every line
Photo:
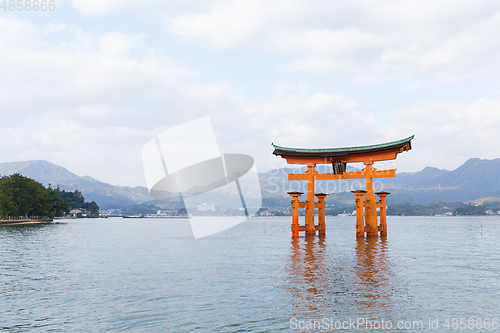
93, 190
475, 179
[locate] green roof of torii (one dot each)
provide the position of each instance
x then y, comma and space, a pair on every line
337, 152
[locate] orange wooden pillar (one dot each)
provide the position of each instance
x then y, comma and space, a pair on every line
295, 212
370, 203
321, 213
360, 214
383, 212
310, 228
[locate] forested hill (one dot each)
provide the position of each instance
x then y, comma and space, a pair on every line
75, 200
23, 196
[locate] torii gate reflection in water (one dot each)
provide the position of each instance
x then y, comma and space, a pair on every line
366, 205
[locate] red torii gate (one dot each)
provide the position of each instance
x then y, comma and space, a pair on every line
366, 205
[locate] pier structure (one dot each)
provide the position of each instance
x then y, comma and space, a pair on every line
366, 205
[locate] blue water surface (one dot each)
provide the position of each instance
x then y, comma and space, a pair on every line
148, 275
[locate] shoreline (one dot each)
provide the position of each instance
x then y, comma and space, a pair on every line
24, 221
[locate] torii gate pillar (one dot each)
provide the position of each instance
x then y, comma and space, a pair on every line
383, 212
370, 204
321, 213
360, 221
310, 229
295, 212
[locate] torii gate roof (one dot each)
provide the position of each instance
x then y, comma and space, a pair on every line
329, 153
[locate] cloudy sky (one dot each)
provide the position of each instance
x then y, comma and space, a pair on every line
87, 85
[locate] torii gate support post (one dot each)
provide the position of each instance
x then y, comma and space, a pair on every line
310, 205
371, 205
295, 212
321, 213
383, 212
360, 221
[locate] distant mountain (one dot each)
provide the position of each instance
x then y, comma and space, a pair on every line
474, 180
42, 171
409, 179
93, 190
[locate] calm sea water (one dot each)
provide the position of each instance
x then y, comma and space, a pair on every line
140, 275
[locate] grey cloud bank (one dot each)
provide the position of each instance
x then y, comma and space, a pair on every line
86, 86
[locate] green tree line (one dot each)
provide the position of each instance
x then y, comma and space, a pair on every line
75, 199
23, 196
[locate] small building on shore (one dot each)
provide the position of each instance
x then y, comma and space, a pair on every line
80, 212
205, 208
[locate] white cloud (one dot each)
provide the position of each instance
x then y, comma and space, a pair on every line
370, 40
100, 95
447, 134
146, 8
110, 155
54, 26
91, 100
115, 44
233, 23
100, 7
293, 117
94, 71
335, 43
